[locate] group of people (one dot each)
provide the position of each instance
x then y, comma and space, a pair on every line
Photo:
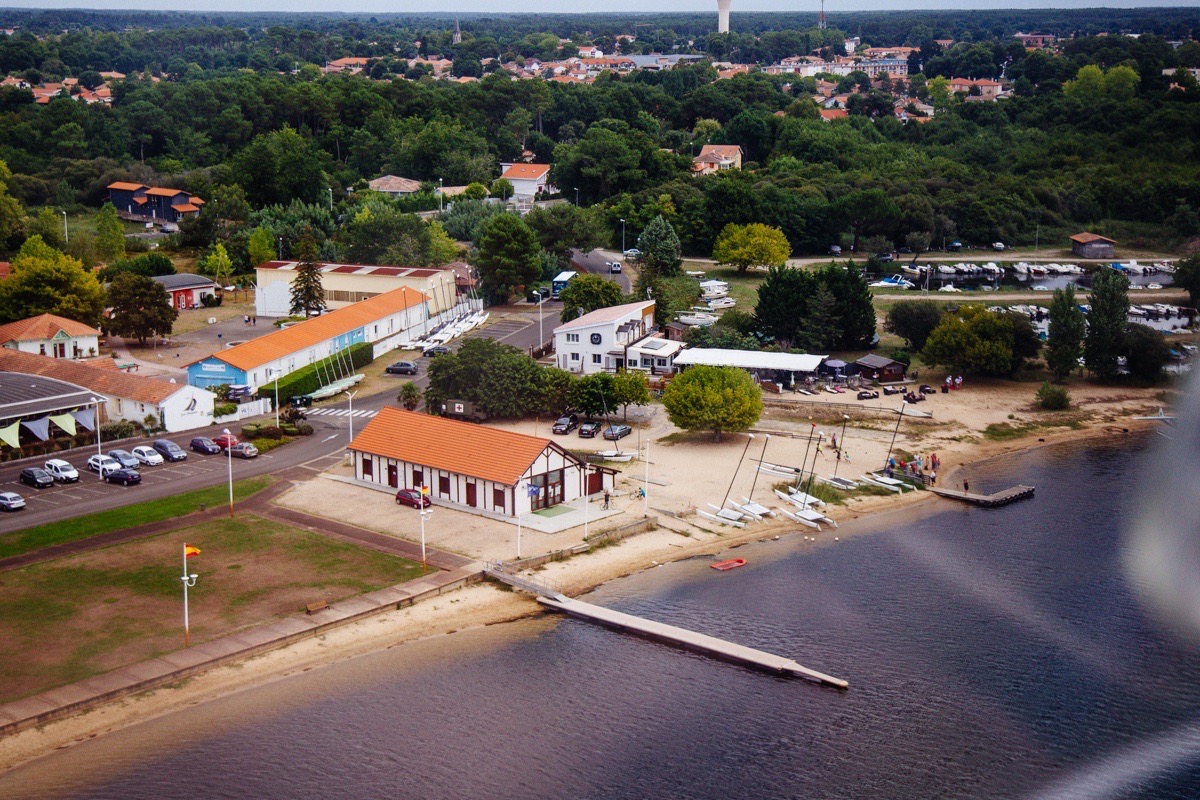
952, 382
249, 321
917, 466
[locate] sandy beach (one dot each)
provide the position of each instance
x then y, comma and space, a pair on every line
686, 471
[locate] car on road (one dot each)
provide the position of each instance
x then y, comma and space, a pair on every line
633, 253
402, 368
225, 440
614, 267
436, 350
61, 471
36, 477
103, 464
11, 501
588, 430
243, 450
615, 432
413, 498
203, 444
868, 394
124, 458
124, 476
147, 455
169, 450
565, 424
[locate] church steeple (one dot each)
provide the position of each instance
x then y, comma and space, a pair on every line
457, 38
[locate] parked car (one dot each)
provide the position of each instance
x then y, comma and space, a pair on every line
633, 253
243, 450
147, 455
886, 258
169, 450
301, 400
835, 250
11, 501
906, 250
614, 267
124, 458
61, 471
436, 350
413, 498
203, 444
565, 424
954, 246
402, 368
588, 430
123, 476
867, 394
615, 432
36, 477
998, 247
103, 464
225, 440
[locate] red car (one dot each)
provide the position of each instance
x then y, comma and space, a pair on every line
225, 441
412, 497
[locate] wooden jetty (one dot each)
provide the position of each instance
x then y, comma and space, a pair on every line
691, 640
1001, 498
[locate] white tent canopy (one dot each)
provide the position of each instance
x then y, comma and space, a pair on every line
749, 359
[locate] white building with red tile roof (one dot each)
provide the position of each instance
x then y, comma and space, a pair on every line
476, 468
528, 180
716, 157
351, 283
51, 335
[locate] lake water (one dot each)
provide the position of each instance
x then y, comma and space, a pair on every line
991, 654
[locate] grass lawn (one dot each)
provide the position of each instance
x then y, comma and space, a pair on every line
71, 618
116, 519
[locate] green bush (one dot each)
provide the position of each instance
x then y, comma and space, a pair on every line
288, 429
308, 379
121, 429
224, 409
302, 429
251, 430
264, 444
1053, 398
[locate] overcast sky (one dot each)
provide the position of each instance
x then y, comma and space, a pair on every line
574, 6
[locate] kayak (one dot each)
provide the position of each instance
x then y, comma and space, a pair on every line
732, 563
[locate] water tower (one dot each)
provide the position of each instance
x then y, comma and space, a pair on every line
723, 16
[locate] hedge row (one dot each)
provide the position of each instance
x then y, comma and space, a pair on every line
308, 379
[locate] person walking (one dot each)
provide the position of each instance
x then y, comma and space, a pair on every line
606, 500
966, 486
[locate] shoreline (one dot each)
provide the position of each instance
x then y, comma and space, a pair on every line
484, 605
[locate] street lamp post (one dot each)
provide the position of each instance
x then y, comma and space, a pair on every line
425, 513
351, 414
98, 401
541, 313
229, 458
440, 195
576, 197
279, 246
622, 237
276, 372
66, 233
330, 190
188, 582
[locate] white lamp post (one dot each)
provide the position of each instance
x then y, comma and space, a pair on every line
622, 237
98, 401
276, 373
424, 514
66, 233
229, 457
440, 188
646, 478
188, 582
351, 415
517, 508
541, 313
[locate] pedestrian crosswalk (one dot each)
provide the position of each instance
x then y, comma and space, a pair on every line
338, 412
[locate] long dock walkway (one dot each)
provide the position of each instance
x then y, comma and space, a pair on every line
1001, 498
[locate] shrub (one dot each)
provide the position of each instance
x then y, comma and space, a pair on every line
224, 409
251, 430
1052, 398
271, 432
308, 379
303, 429
221, 390
264, 444
210, 300
121, 429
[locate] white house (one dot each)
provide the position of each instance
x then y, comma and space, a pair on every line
345, 284
176, 406
609, 339
474, 467
51, 335
528, 180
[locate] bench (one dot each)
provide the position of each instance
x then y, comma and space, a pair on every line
320, 605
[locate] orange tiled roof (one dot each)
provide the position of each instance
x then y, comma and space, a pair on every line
43, 326
283, 342
1088, 238
106, 381
164, 192
185, 208
440, 443
128, 187
719, 151
526, 172
833, 113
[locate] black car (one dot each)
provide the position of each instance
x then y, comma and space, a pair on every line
436, 350
203, 444
615, 432
169, 450
565, 424
402, 368
588, 430
123, 476
36, 477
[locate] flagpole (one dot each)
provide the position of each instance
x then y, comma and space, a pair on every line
188, 582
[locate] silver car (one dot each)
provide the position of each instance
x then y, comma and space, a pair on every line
11, 501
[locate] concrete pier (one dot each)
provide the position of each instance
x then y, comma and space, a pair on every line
691, 640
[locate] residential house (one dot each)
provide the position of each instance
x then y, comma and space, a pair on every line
51, 335
591, 52
830, 114
987, 91
471, 467
1036, 41
394, 186
716, 157
528, 180
351, 64
603, 340
345, 284
186, 290
151, 203
384, 320
1092, 245
125, 396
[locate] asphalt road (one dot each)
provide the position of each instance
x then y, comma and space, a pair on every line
594, 262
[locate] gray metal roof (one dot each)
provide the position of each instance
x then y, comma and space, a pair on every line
183, 280
24, 395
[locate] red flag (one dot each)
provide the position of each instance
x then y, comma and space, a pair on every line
190, 551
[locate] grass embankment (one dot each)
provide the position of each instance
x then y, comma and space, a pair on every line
115, 519
69, 619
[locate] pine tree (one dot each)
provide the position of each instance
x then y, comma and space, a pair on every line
308, 296
660, 248
821, 327
110, 234
1107, 322
1067, 328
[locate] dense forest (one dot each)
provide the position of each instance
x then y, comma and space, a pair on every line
1092, 136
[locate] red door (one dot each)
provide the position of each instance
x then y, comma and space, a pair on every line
393, 476
595, 482
471, 493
